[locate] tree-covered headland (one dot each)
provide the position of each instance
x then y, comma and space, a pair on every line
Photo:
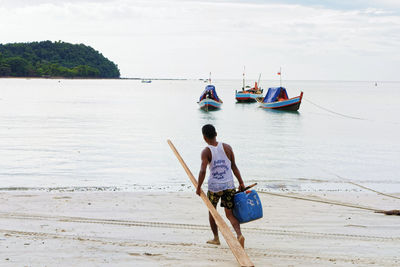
54, 59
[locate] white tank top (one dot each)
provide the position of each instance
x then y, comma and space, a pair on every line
220, 177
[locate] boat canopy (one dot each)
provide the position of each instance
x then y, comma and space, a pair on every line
210, 92
275, 94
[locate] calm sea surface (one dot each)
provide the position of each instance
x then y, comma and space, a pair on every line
111, 134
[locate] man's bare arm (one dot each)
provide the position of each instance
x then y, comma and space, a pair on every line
203, 168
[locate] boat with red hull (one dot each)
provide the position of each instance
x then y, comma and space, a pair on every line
277, 98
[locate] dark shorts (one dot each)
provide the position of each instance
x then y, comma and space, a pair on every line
226, 196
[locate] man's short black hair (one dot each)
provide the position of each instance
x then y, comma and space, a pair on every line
209, 131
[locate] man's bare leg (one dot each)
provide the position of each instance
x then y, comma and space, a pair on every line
236, 225
214, 229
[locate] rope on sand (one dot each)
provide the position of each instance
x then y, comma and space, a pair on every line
331, 202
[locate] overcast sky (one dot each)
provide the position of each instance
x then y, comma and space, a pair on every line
310, 40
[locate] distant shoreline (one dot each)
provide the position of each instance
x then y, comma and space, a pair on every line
184, 79
57, 78
98, 78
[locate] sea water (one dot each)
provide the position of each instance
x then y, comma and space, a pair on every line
111, 134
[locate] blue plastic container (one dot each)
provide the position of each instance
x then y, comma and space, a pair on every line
247, 206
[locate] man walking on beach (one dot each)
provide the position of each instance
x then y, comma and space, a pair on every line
221, 161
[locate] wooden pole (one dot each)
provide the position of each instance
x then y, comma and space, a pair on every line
237, 250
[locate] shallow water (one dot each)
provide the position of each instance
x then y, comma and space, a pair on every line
112, 134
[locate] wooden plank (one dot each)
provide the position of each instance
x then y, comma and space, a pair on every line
237, 250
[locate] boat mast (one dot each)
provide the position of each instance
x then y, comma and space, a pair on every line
209, 78
244, 70
258, 83
280, 76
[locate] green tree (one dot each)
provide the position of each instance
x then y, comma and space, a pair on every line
54, 59
18, 66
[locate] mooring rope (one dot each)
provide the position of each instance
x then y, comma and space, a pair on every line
346, 180
372, 190
361, 186
334, 112
342, 178
331, 202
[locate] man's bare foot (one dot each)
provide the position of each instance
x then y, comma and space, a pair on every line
214, 241
241, 240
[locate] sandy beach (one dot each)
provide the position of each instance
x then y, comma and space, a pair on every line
39, 228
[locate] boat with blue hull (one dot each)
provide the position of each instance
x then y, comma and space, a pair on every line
209, 99
277, 98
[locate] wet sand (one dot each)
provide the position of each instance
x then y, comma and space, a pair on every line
171, 229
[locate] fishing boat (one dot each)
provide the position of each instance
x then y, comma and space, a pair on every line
247, 94
146, 81
277, 98
209, 99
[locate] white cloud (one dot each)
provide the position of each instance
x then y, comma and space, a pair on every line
189, 39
